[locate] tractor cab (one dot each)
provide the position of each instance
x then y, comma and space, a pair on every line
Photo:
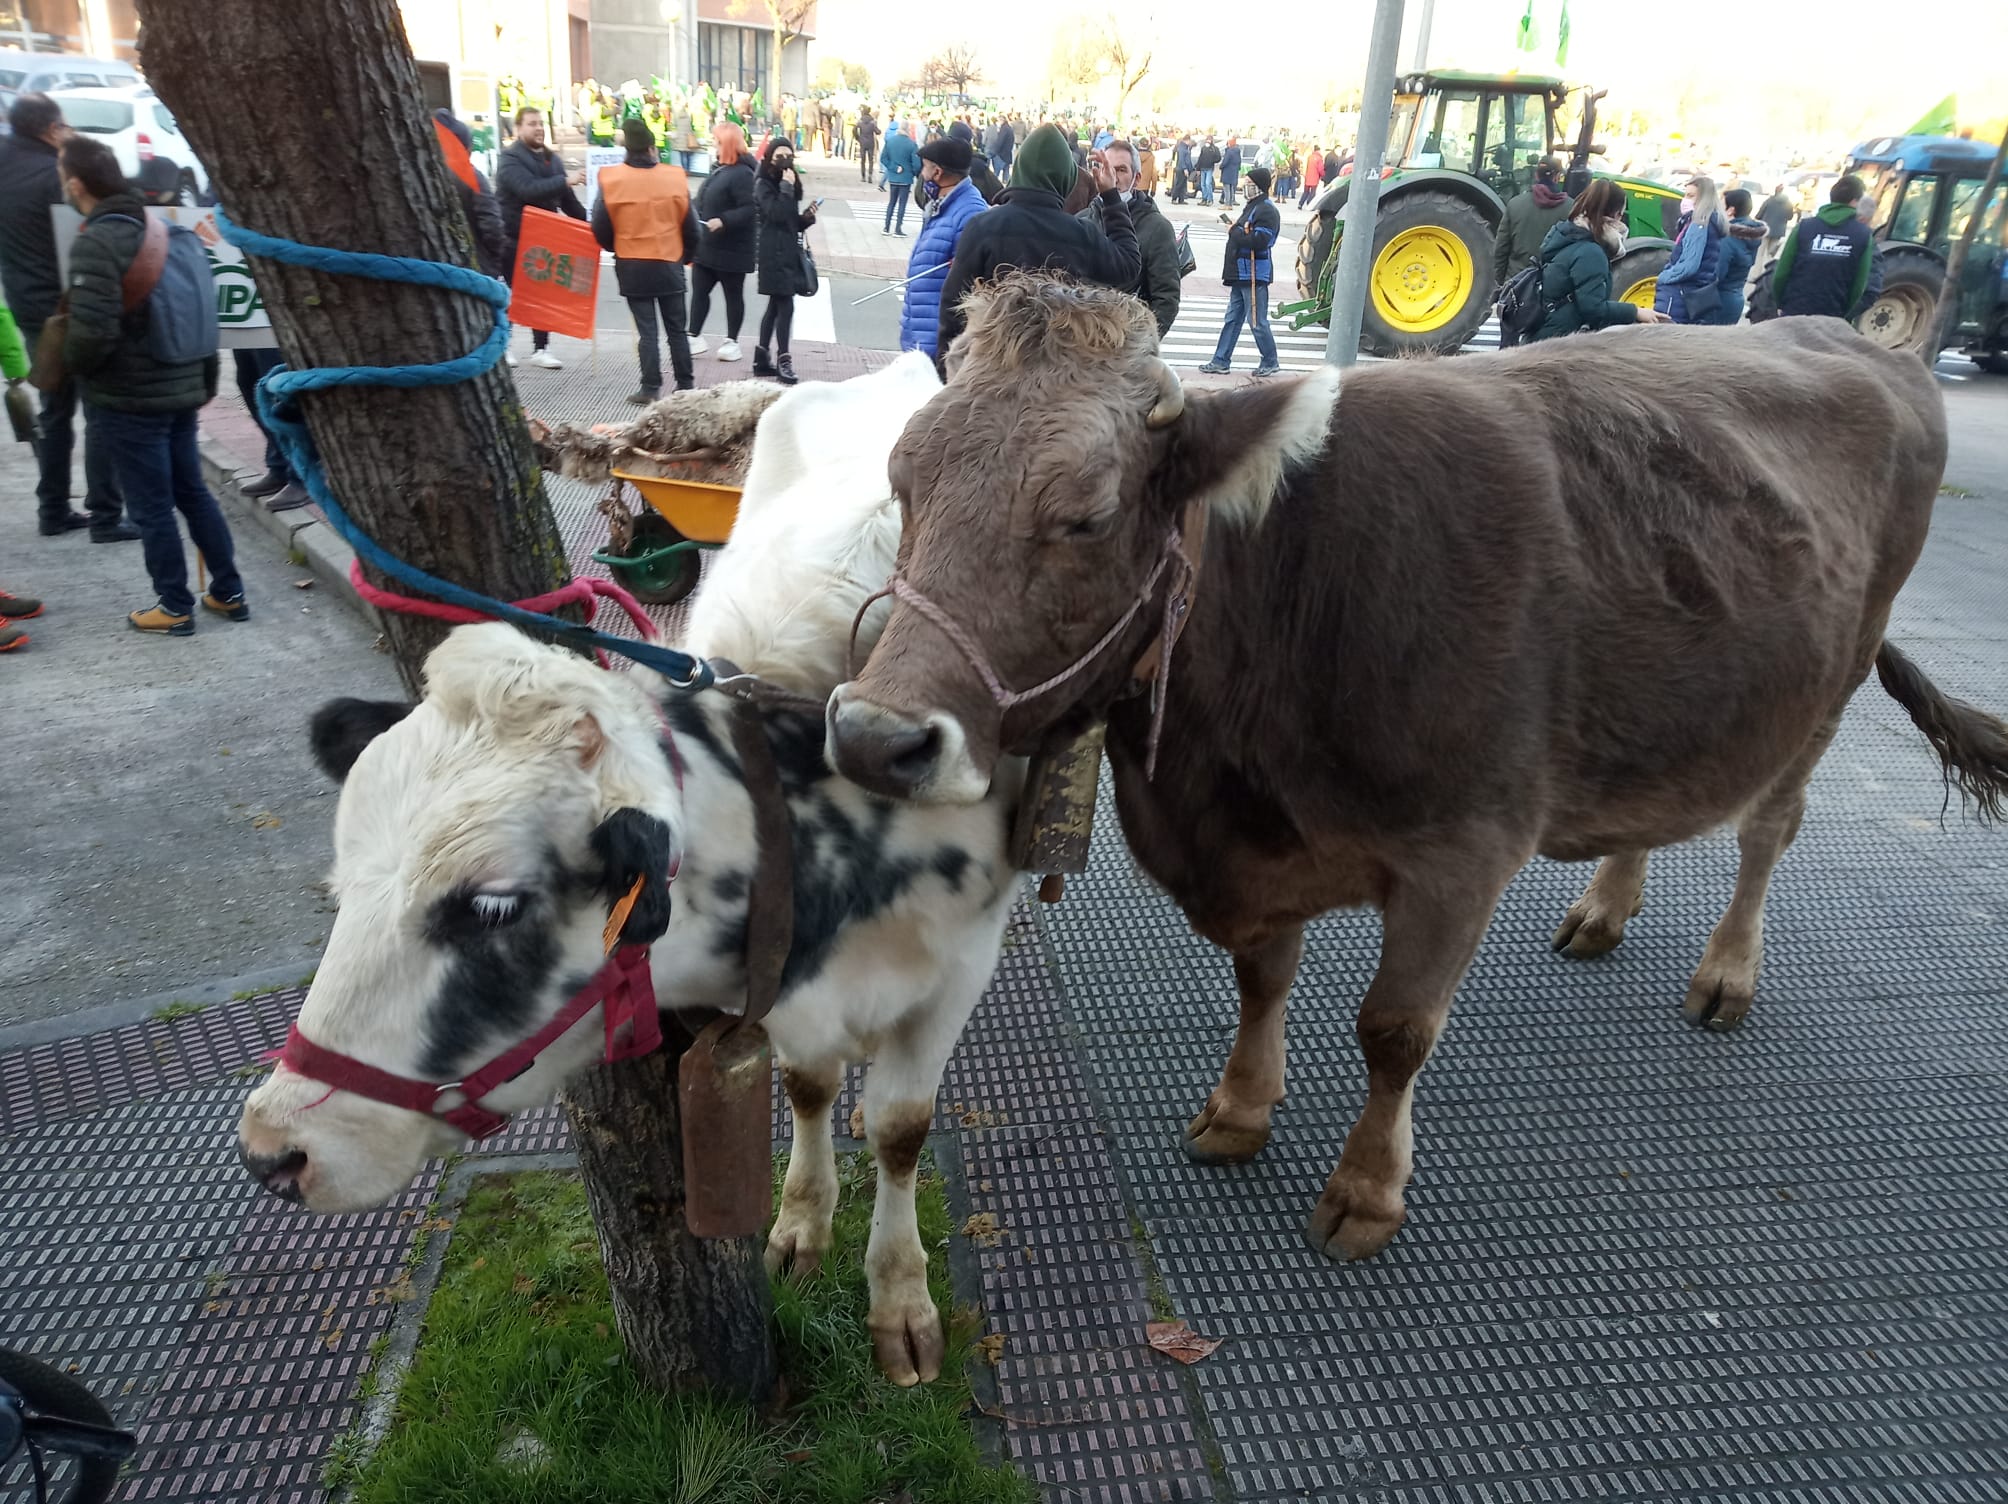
1922, 193
1494, 127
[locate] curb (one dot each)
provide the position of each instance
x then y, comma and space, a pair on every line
306, 538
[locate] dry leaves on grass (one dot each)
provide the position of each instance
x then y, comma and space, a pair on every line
1177, 1340
265, 820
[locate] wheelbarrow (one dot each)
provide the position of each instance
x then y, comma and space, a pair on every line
657, 562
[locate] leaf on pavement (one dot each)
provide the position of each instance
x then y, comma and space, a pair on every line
1177, 1340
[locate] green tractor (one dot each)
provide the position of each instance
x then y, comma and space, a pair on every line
1923, 191
1461, 145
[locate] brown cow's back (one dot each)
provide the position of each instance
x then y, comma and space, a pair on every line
1608, 618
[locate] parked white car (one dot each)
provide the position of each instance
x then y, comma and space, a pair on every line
151, 149
45, 72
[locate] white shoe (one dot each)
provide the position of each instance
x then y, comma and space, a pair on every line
510, 356
729, 350
698, 344
545, 360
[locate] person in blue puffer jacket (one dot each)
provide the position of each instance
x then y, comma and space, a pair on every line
952, 201
1697, 255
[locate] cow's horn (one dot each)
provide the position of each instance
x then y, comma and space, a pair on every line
1170, 398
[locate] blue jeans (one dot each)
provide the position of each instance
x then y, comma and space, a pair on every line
1206, 185
158, 469
898, 201
1237, 312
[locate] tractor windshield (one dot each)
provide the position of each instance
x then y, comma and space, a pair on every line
1401, 128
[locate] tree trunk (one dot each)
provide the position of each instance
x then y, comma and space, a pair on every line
687, 1322
446, 478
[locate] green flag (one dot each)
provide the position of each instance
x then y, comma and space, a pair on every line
1562, 38
1530, 34
1940, 120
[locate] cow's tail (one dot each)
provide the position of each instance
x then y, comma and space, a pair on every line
1971, 744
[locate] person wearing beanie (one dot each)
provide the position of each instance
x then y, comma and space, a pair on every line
643, 215
1248, 270
1030, 229
952, 201
979, 163
1161, 282
1529, 218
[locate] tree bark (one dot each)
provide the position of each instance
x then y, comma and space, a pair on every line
446, 478
690, 1322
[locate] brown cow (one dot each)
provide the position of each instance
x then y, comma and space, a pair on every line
1579, 600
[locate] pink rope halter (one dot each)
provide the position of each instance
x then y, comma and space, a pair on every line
1176, 605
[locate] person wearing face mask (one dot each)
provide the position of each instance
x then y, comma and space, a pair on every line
780, 220
951, 202
1576, 268
1160, 282
1686, 290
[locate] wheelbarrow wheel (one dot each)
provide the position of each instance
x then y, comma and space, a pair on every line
659, 582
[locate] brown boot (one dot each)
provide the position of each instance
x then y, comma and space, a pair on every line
157, 618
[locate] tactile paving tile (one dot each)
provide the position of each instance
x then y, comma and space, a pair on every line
1642, 1261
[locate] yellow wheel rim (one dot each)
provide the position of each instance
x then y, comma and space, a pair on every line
1423, 278
1641, 293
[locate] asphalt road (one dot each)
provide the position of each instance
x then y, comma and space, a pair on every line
164, 828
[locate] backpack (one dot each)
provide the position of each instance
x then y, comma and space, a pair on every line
181, 303
1522, 308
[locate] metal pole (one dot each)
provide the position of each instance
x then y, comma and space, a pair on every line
1421, 63
1349, 283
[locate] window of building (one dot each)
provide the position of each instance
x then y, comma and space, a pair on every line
733, 57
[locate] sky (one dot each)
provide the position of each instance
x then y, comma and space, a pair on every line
1761, 73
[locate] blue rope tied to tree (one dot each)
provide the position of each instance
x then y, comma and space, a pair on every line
278, 403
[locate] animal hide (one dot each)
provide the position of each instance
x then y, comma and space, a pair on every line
706, 434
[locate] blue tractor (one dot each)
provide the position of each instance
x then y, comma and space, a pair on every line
1923, 191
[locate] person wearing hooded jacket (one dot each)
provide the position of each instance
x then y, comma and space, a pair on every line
725, 211
1030, 229
492, 251
899, 159
1739, 255
952, 202
1161, 282
1576, 268
1248, 269
1529, 217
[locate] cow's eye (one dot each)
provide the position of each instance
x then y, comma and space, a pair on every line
496, 909
1087, 529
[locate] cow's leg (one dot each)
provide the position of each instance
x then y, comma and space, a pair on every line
899, 1111
1234, 1124
1725, 982
1431, 928
1595, 923
801, 1233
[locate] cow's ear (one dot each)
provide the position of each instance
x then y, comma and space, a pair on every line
630, 844
341, 729
1231, 450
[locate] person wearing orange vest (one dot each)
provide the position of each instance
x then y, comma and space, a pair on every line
643, 215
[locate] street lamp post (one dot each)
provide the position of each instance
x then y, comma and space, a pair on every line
1349, 282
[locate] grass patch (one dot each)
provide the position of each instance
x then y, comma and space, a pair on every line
518, 1392
1958, 492
181, 1007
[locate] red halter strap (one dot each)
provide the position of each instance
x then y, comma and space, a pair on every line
633, 1028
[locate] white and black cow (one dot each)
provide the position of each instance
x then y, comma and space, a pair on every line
484, 834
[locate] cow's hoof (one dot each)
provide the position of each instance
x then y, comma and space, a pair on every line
1355, 1221
1589, 929
794, 1247
906, 1339
1220, 1135
1719, 997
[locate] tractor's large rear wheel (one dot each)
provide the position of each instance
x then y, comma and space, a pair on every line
1635, 275
1905, 316
1429, 286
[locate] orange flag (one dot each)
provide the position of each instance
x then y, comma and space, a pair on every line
555, 282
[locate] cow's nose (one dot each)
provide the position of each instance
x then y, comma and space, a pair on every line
882, 750
279, 1173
